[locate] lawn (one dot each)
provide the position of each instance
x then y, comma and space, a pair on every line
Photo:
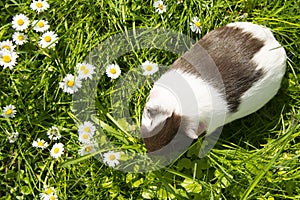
73, 90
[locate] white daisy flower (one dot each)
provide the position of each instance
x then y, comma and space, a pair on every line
7, 45
86, 132
39, 6
111, 158
70, 84
57, 150
85, 70
87, 127
40, 25
9, 111
149, 68
179, 1
20, 22
19, 38
40, 143
52, 197
8, 59
48, 192
195, 25
12, 137
113, 71
48, 197
160, 7
53, 133
48, 39
87, 149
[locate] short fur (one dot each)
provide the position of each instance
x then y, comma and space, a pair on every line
165, 135
234, 50
251, 64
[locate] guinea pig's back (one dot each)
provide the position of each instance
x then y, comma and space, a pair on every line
251, 63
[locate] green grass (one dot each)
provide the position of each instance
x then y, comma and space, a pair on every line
257, 157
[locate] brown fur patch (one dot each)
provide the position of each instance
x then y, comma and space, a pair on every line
232, 51
165, 135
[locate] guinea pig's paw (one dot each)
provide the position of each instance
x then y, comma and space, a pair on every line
191, 133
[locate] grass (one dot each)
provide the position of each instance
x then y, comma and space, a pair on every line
257, 157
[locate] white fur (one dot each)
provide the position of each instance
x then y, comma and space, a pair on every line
188, 95
271, 58
196, 99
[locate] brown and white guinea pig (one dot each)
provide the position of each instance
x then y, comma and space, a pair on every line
251, 64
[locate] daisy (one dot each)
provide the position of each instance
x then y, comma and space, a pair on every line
86, 132
48, 192
87, 149
113, 71
149, 68
20, 22
40, 144
48, 39
160, 7
57, 150
53, 133
39, 6
13, 137
85, 70
48, 197
7, 45
19, 38
9, 111
70, 84
179, 1
40, 26
111, 158
195, 25
8, 59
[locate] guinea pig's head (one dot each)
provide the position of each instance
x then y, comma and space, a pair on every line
159, 127
162, 120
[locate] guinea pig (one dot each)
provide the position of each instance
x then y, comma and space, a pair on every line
250, 64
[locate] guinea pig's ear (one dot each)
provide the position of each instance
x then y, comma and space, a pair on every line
153, 120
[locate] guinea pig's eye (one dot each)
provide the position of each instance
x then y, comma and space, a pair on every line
152, 111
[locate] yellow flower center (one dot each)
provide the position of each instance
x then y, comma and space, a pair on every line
40, 24
6, 47
86, 71
20, 37
112, 157
20, 22
113, 70
197, 24
88, 149
161, 6
87, 129
9, 112
39, 5
6, 58
70, 83
56, 150
52, 198
82, 68
47, 38
40, 143
85, 136
48, 191
149, 68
